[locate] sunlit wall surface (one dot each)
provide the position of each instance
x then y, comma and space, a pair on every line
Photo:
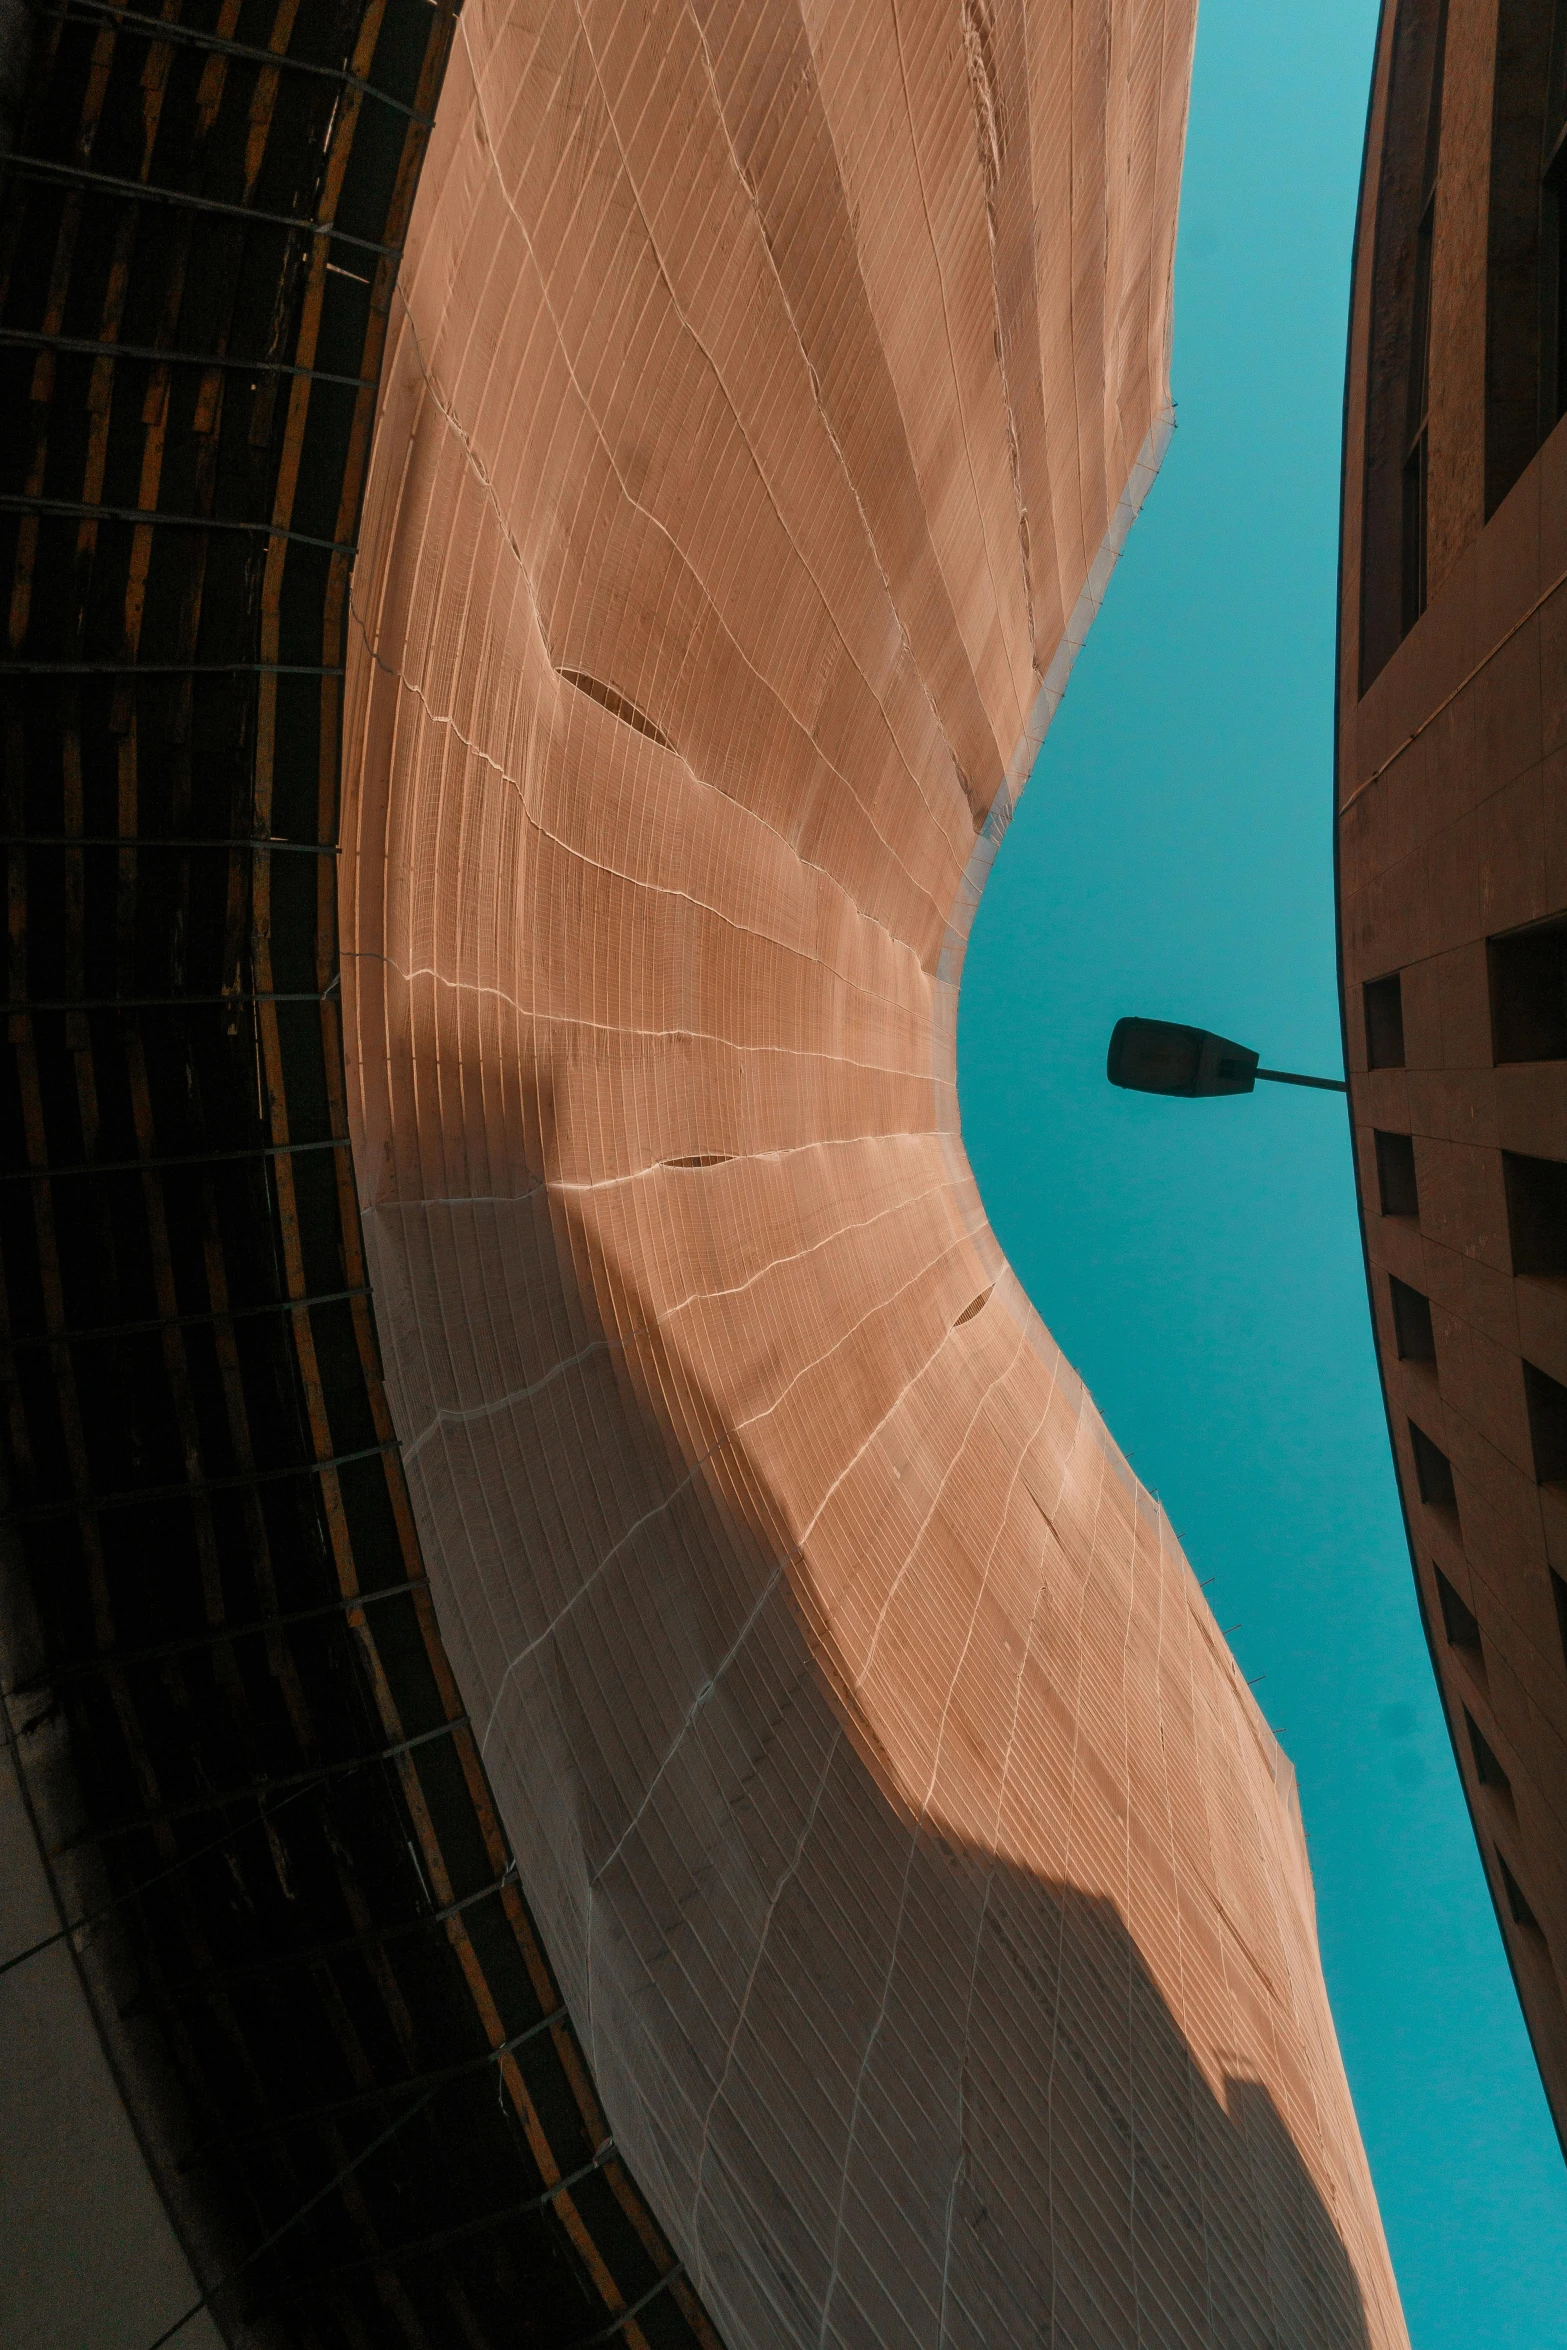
772, 391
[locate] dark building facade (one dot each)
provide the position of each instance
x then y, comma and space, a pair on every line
1452, 859
254, 1881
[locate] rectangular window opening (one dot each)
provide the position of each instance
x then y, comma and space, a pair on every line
1553, 282
1433, 1471
1396, 1173
1521, 259
1536, 1212
1417, 502
1411, 1323
1528, 974
1547, 1399
1488, 1770
1384, 1002
1559, 1589
1522, 1914
1459, 1620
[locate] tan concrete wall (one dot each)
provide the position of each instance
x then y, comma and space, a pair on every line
774, 388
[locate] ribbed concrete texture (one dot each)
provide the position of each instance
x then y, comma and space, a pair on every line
773, 387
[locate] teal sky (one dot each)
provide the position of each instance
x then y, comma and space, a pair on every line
1200, 1261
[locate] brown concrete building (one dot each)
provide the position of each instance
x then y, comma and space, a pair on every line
1452, 846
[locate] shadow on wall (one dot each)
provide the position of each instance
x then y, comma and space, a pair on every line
1173, 2217
881, 2084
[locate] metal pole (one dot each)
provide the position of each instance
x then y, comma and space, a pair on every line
1287, 1077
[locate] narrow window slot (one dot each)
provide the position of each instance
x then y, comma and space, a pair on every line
1536, 1212
1553, 234
1559, 1592
1433, 1471
1522, 1914
1459, 1620
1396, 1174
1393, 582
1411, 1323
1488, 1770
1521, 260
1553, 275
1547, 1399
1528, 974
1384, 1003
1412, 569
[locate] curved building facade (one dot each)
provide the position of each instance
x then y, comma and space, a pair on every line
772, 390
1451, 824
610, 1751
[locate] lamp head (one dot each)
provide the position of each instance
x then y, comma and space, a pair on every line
1161, 1056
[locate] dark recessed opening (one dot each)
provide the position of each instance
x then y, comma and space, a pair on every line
1536, 1212
617, 704
1459, 1620
1411, 1323
1396, 1174
1488, 1770
1519, 230
1559, 1589
1393, 554
1385, 1022
1416, 501
1529, 993
1522, 1914
1433, 1471
1547, 1424
1416, 462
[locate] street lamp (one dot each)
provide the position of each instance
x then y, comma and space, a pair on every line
1160, 1056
